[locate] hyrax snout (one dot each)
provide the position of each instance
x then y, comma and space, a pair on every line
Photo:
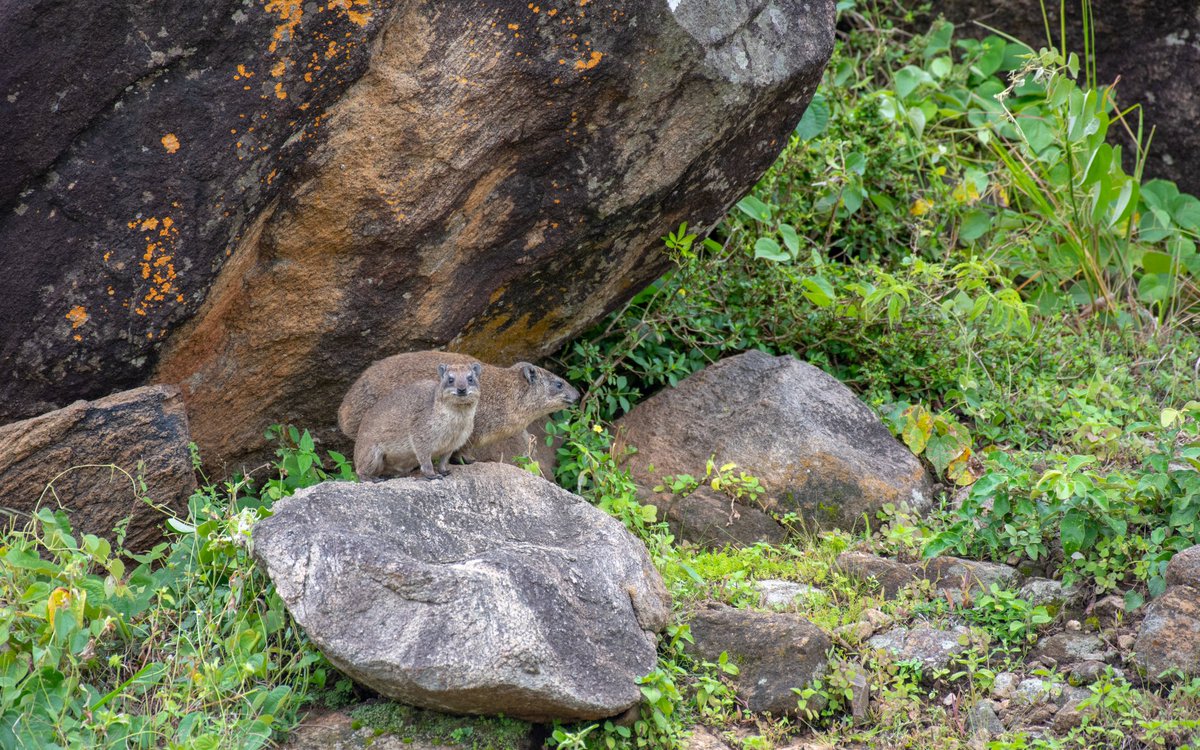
414, 423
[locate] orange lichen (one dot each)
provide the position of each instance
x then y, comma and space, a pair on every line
157, 266
77, 315
591, 63
279, 69
279, 92
170, 143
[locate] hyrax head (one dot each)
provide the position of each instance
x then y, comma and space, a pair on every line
460, 382
545, 391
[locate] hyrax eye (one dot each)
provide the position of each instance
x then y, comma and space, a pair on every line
450, 379
559, 385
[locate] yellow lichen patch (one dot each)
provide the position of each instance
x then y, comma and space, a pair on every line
290, 12
170, 143
279, 69
590, 63
279, 92
157, 266
77, 315
243, 73
358, 17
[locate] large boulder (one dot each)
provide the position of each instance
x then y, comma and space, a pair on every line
143, 432
774, 652
817, 450
492, 591
1168, 639
1151, 45
256, 201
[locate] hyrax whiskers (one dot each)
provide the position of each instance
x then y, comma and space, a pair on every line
415, 423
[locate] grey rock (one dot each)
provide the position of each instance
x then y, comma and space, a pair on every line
860, 696
1067, 648
703, 738
1004, 685
710, 519
323, 729
774, 651
1184, 568
1109, 610
957, 577
1169, 636
1049, 593
1086, 672
491, 591
1035, 690
146, 427
932, 647
982, 719
1069, 716
891, 576
817, 449
776, 594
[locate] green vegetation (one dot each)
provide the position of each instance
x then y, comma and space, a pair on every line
186, 645
951, 233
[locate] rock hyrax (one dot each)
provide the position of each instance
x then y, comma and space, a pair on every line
416, 422
514, 397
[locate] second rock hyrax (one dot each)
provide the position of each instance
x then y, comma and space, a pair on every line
512, 397
417, 422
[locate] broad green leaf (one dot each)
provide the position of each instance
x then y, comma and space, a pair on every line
818, 290
791, 239
767, 248
815, 119
754, 208
975, 224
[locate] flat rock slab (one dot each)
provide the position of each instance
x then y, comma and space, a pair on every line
489, 592
711, 520
817, 449
144, 427
932, 647
774, 651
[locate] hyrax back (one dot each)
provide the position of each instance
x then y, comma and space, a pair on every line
414, 423
514, 397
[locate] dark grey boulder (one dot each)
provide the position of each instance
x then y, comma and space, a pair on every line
890, 575
932, 647
709, 519
1184, 568
774, 651
491, 591
817, 449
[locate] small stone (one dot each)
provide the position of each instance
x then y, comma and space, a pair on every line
877, 618
1070, 647
855, 632
1048, 593
860, 697
1109, 609
932, 647
1086, 672
1125, 642
1074, 625
777, 594
1005, 685
1034, 690
864, 566
982, 719
955, 576
704, 739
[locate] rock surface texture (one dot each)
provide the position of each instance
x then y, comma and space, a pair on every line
1152, 45
774, 651
256, 200
144, 426
817, 450
492, 591
1168, 640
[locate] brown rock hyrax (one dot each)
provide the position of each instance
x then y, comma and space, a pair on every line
414, 423
511, 399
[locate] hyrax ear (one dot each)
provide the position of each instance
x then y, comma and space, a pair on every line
477, 369
442, 371
528, 371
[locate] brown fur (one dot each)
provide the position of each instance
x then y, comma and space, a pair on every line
417, 422
511, 397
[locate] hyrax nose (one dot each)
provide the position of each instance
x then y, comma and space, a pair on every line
462, 391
